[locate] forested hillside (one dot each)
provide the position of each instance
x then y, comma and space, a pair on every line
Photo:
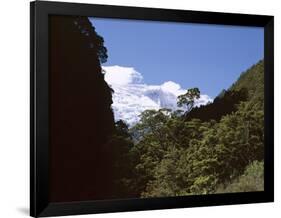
171, 153
253, 81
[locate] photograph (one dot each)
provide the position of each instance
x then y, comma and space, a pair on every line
152, 109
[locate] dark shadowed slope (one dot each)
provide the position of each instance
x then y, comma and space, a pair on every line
81, 119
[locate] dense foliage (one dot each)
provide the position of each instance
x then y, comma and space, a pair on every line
211, 149
251, 180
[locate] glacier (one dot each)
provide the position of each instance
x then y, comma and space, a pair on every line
132, 96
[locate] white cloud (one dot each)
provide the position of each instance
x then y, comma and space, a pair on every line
132, 96
172, 87
122, 75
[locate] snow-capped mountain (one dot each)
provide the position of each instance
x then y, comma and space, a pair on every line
132, 96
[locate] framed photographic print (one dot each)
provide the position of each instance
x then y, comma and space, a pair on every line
140, 108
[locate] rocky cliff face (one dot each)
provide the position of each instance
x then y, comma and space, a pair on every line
81, 119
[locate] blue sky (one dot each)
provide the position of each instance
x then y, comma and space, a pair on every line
210, 57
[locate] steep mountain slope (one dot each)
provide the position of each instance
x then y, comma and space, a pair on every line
81, 119
253, 81
248, 87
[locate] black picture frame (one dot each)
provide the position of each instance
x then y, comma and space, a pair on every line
39, 108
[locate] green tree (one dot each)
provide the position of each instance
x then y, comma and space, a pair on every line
187, 100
